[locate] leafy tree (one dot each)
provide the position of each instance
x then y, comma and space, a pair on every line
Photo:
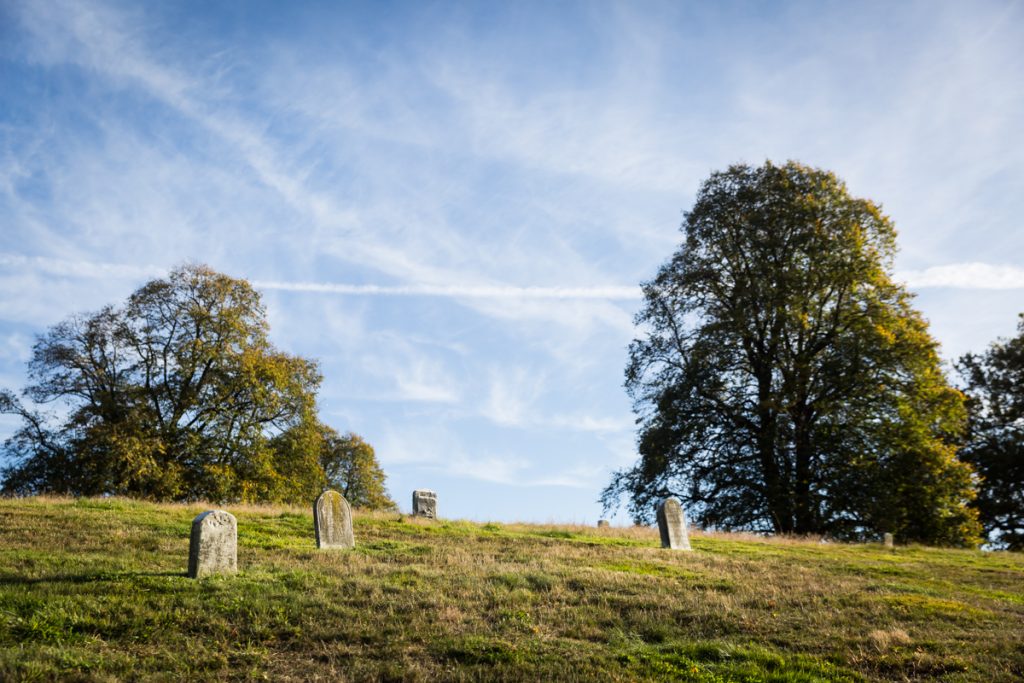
995, 444
351, 466
175, 395
349, 463
784, 382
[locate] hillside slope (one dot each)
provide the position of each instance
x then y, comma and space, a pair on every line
95, 590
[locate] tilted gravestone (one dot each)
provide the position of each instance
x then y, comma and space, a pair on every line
213, 545
603, 524
887, 540
672, 525
424, 503
332, 521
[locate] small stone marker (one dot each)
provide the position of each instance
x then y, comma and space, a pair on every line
603, 524
672, 525
213, 545
424, 503
332, 521
887, 539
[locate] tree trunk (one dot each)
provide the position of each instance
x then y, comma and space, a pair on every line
806, 521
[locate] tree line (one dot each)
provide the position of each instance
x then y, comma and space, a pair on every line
179, 395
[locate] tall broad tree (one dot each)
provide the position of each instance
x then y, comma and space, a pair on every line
783, 381
175, 395
994, 382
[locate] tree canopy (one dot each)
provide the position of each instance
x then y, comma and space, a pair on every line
995, 445
348, 462
176, 395
783, 381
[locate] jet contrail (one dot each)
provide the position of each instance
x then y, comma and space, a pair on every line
458, 291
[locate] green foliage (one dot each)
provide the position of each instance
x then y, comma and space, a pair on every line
994, 383
351, 467
173, 396
785, 383
348, 464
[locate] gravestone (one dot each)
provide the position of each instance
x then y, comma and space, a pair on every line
213, 545
424, 503
332, 521
672, 525
603, 524
887, 539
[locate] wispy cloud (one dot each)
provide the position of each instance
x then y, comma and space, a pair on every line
516, 398
77, 269
965, 276
426, 381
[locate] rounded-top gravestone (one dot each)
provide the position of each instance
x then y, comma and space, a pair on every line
213, 544
332, 521
672, 525
424, 503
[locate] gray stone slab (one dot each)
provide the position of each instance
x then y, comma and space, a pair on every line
887, 540
332, 521
424, 503
603, 524
213, 544
672, 525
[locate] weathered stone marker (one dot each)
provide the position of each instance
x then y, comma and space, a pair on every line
887, 539
424, 503
672, 525
332, 521
213, 545
603, 524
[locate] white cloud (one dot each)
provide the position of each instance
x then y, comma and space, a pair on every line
517, 398
426, 381
966, 276
591, 423
434, 448
510, 395
77, 269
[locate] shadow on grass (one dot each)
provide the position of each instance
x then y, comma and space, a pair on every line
11, 580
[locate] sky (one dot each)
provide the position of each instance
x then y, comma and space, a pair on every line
451, 205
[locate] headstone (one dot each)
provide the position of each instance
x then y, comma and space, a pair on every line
332, 521
213, 545
603, 524
887, 539
672, 525
424, 503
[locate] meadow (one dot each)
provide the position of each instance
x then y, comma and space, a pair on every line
95, 590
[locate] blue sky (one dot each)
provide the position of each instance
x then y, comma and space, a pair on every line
451, 205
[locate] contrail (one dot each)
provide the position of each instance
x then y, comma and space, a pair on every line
954, 276
458, 291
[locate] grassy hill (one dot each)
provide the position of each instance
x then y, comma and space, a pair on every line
95, 590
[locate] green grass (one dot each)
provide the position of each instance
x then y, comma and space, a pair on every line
96, 590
